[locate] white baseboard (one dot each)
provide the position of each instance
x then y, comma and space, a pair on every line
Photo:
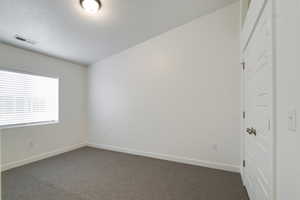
202, 163
32, 159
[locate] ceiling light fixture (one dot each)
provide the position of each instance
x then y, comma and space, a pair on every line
91, 6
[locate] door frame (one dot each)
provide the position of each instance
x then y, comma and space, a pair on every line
243, 126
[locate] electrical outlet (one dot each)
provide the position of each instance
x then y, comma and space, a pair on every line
31, 144
215, 147
292, 120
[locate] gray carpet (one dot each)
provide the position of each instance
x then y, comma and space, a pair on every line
92, 174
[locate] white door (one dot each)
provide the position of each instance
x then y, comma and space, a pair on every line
258, 75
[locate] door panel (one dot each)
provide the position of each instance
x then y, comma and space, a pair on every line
258, 75
251, 19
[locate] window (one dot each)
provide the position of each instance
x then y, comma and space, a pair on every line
27, 99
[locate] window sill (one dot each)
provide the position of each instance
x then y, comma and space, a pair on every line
28, 125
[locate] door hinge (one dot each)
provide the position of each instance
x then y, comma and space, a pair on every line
244, 66
244, 163
244, 115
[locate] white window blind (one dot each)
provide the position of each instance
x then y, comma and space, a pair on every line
27, 99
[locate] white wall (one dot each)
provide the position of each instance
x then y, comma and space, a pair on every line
46, 139
288, 98
176, 96
0, 165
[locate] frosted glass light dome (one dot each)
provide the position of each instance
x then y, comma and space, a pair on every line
91, 6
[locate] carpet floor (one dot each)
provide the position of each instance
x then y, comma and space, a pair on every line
93, 174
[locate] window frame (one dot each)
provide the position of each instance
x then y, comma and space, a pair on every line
51, 122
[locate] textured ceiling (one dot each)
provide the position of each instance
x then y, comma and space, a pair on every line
62, 29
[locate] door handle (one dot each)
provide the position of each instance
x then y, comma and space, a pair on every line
248, 130
251, 131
